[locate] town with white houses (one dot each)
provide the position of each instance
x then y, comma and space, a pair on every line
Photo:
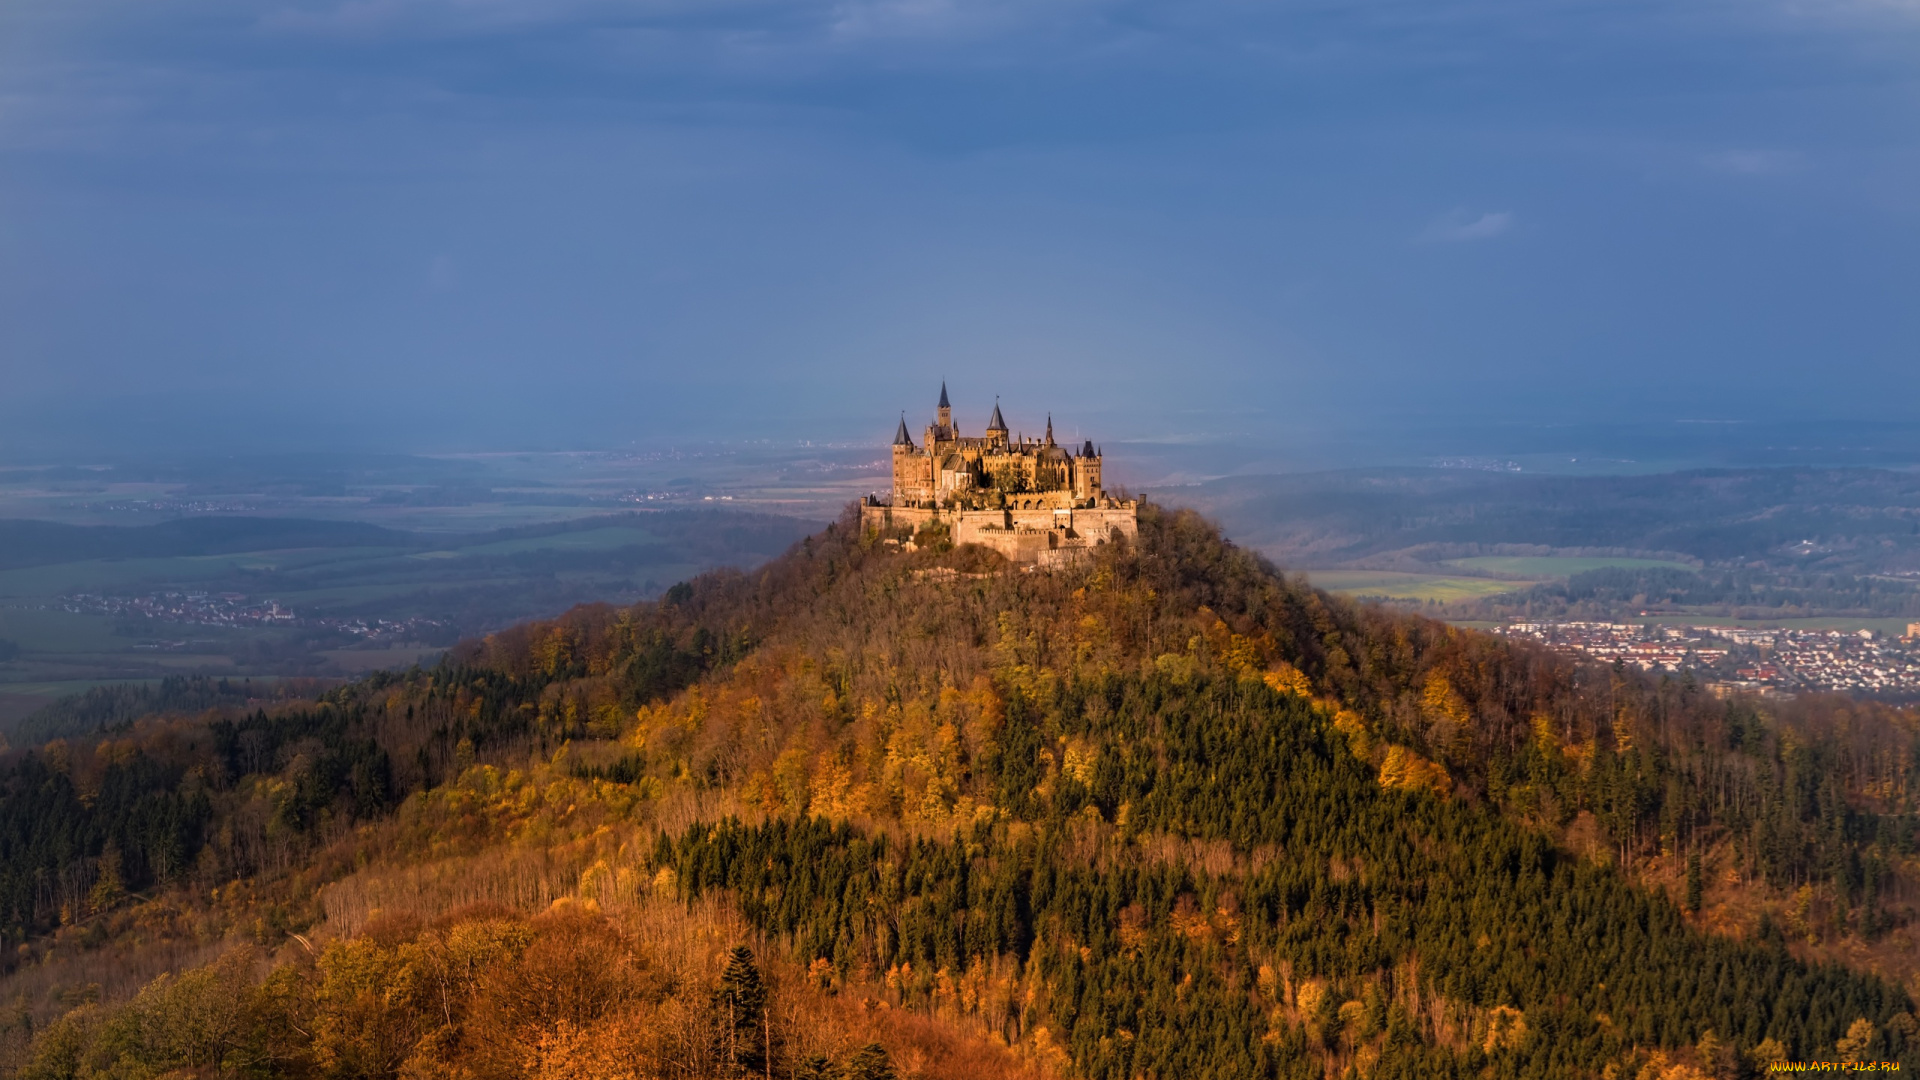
1729, 658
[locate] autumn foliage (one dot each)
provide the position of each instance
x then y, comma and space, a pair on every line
865, 813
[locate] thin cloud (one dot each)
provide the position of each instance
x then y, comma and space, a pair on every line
1458, 226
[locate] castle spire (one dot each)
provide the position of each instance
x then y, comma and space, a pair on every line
1049, 429
997, 424
901, 438
943, 395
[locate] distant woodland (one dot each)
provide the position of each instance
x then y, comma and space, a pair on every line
1740, 593
1761, 543
1804, 519
864, 814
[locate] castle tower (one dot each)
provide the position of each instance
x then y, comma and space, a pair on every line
946, 412
911, 469
997, 428
1086, 473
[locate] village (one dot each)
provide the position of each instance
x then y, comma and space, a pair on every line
231, 609
1730, 658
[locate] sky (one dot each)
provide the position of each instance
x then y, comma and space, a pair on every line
459, 224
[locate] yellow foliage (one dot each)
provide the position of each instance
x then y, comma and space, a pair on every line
1178, 668
1359, 739
1661, 1065
369, 1016
571, 1052
1402, 768
1449, 719
1853, 1046
1543, 735
833, 792
1287, 679
1310, 999
1080, 760
1506, 1027
790, 780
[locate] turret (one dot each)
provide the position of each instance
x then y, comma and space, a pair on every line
1086, 473
997, 426
911, 475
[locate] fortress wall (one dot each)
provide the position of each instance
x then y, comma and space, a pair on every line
1029, 537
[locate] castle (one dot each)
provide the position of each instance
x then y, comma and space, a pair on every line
1033, 500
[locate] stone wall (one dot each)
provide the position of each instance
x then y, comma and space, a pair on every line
1036, 537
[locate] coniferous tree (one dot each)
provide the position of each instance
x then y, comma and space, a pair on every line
740, 1006
870, 1062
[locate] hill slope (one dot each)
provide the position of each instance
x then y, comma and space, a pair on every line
1166, 815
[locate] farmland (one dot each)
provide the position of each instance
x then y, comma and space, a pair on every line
1439, 588
330, 608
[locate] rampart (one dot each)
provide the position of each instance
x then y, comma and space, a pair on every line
1042, 537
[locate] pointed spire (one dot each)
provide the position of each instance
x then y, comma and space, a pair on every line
943, 395
1049, 429
997, 424
1087, 451
901, 438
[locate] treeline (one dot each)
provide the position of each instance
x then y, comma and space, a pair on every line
121, 703
1607, 591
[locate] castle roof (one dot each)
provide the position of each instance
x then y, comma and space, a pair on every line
996, 424
1087, 451
943, 394
901, 438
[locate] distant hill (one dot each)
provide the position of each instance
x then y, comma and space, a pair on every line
1804, 519
25, 543
865, 813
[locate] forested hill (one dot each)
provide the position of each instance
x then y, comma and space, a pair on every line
866, 813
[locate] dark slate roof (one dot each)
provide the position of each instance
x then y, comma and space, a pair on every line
901, 438
996, 424
943, 394
1087, 451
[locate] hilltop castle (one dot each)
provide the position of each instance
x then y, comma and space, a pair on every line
1032, 500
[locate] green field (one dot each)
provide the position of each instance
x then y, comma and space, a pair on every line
1555, 566
1401, 586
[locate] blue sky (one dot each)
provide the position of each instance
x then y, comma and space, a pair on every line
427, 223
